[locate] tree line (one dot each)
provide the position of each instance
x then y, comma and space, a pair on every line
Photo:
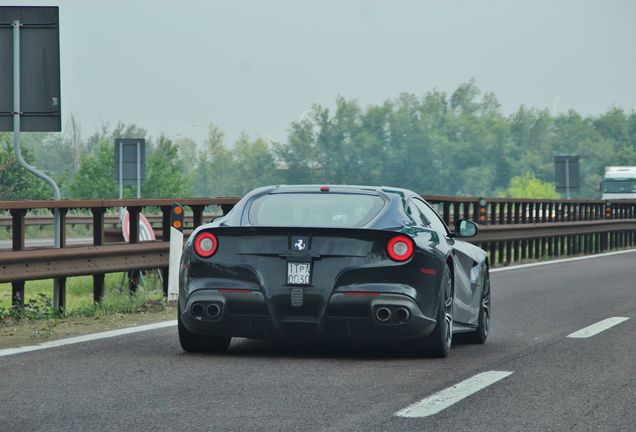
438, 143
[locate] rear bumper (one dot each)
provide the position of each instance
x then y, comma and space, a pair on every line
348, 317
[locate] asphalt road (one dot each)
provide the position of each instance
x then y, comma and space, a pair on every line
554, 382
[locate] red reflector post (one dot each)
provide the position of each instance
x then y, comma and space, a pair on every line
324, 188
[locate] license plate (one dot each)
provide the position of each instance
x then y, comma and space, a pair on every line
298, 273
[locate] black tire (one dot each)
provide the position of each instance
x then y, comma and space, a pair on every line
194, 342
438, 343
480, 335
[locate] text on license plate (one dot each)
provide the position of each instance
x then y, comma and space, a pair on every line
298, 273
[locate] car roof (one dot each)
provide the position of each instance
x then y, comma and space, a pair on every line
396, 199
337, 188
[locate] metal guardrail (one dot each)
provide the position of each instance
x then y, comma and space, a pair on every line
71, 220
500, 211
17, 262
37, 264
513, 243
512, 230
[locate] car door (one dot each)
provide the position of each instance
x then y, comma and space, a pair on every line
462, 264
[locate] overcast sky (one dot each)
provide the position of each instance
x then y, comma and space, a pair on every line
256, 66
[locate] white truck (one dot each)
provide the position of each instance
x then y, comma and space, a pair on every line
619, 183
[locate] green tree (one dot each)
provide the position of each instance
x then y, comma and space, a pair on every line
16, 183
165, 177
437, 143
95, 178
528, 186
298, 157
215, 165
254, 165
188, 156
121, 130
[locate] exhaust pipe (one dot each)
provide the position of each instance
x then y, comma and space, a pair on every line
213, 310
383, 314
197, 310
402, 314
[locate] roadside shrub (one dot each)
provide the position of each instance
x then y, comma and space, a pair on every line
40, 308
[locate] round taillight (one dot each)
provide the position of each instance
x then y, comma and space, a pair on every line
206, 244
400, 248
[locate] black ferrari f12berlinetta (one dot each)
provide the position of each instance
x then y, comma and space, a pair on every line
356, 263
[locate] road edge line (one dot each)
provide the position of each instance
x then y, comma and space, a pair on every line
558, 261
87, 338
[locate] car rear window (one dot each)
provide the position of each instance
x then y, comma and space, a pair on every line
342, 210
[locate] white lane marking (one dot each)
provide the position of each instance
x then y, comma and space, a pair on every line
595, 329
87, 338
451, 395
522, 266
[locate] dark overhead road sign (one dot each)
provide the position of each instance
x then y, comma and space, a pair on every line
40, 103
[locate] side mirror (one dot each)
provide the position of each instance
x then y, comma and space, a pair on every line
465, 228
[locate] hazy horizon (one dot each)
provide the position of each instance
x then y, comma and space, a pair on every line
255, 67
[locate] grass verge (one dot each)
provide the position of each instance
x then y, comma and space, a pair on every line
38, 321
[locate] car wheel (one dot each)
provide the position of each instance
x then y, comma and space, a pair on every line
440, 341
480, 335
194, 342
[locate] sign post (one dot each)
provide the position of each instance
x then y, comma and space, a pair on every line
566, 174
35, 102
130, 163
176, 248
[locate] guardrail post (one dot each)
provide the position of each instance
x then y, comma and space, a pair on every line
531, 209
597, 243
455, 212
133, 275
551, 214
59, 284
18, 232
554, 245
583, 210
197, 215
465, 210
98, 240
493, 214
18, 228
